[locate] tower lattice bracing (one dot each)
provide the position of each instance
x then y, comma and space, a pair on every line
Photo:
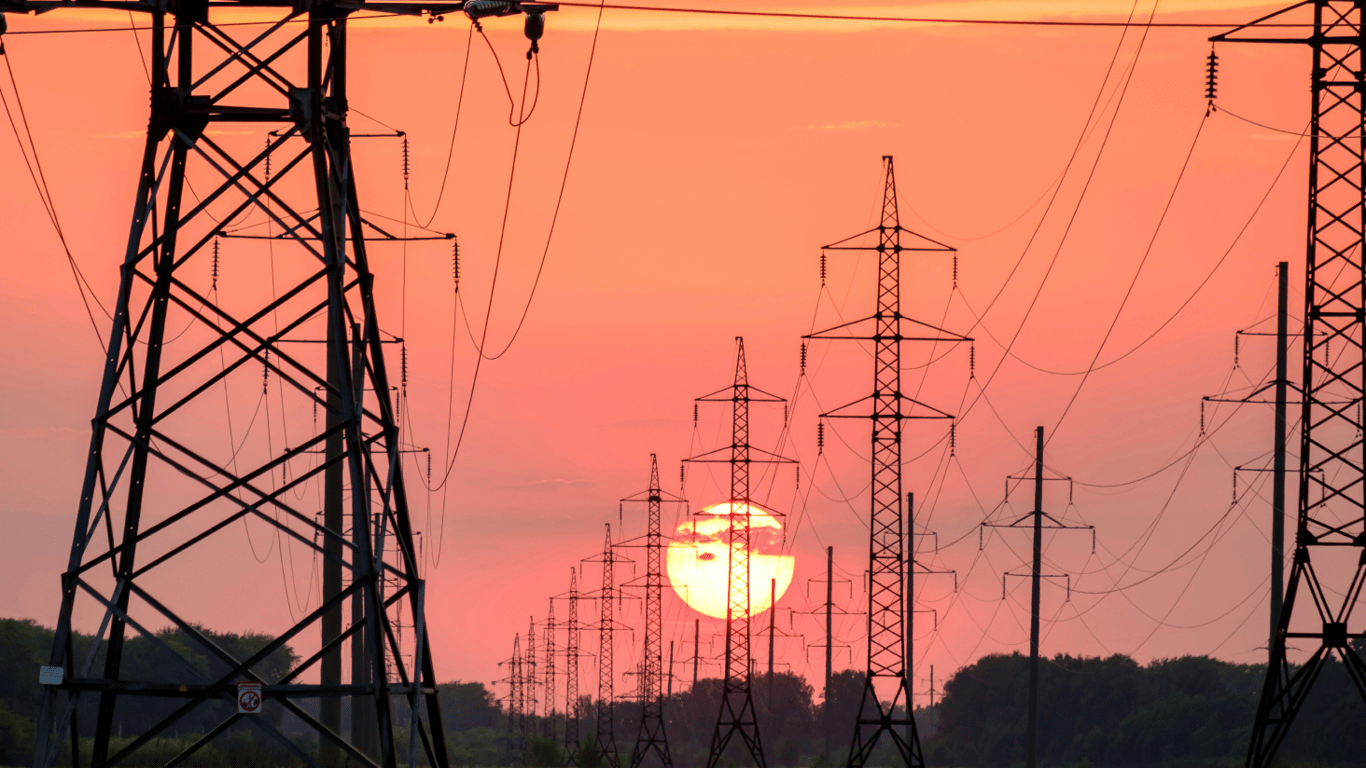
605, 732
737, 716
889, 620
1328, 571
167, 479
572, 711
530, 680
651, 738
550, 628
516, 703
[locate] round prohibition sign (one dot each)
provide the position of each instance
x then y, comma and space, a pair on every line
248, 699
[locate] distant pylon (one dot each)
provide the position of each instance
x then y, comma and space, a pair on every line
516, 704
1331, 525
530, 679
737, 714
572, 711
651, 737
607, 626
889, 618
550, 730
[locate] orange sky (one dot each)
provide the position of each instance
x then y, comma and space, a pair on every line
716, 155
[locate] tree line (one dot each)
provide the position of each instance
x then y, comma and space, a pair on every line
1175, 713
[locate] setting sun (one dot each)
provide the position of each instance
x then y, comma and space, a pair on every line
697, 559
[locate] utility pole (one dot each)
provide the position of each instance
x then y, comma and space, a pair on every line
932, 710
1331, 523
696, 648
671, 669
1278, 460
914, 565
829, 643
737, 714
772, 615
1037, 521
888, 621
651, 738
1280, 386
607, 625
829, 612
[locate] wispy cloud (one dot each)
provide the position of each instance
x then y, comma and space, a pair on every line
549, 486
853, 125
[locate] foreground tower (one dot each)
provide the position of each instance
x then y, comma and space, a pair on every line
889, 560
166, 471
1330, 534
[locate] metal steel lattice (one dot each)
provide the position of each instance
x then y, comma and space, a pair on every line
737, 714
1330, 541
163, 476
516, 703
550, 627
607, 626
651, 737
888, 617
573, 713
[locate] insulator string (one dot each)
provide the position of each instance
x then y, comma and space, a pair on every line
1212, 75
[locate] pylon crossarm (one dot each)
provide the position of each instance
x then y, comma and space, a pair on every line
877, 334
841, 245
879, 402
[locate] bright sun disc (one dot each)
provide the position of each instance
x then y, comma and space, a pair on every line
698, 559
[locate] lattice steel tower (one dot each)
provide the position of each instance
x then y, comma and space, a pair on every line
530, 679
650, 737
889, 620
607, 626
162, 476
572, 712
516, 703
737, 714
1331, 525
550, 627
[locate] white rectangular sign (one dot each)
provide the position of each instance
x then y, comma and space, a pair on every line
50, 675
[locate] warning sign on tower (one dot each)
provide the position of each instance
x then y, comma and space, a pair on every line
248, 698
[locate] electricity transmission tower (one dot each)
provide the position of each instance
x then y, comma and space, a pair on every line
607, 626
516, 703
550, 627
1330, 536
1037, 521
737, 714
163, 475
572, 711
651, 736
530, 679
888, 620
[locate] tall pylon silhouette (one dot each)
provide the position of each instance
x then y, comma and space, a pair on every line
1330, 533
737, 716
890, 563
651, 737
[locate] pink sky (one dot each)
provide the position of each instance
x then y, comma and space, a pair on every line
715, 157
